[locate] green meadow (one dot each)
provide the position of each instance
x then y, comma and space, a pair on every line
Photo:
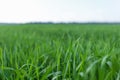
60, 52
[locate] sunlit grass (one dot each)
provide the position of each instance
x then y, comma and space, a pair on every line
60, 52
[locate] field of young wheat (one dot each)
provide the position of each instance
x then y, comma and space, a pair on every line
60, 52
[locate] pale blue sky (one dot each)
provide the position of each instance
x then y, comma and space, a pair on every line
60, 10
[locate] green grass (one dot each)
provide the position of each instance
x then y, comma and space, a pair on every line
60, 52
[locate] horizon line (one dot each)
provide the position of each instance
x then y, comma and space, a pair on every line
62, 22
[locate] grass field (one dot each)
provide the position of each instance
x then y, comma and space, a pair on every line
60, 52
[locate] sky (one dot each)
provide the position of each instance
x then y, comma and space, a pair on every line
21, 11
